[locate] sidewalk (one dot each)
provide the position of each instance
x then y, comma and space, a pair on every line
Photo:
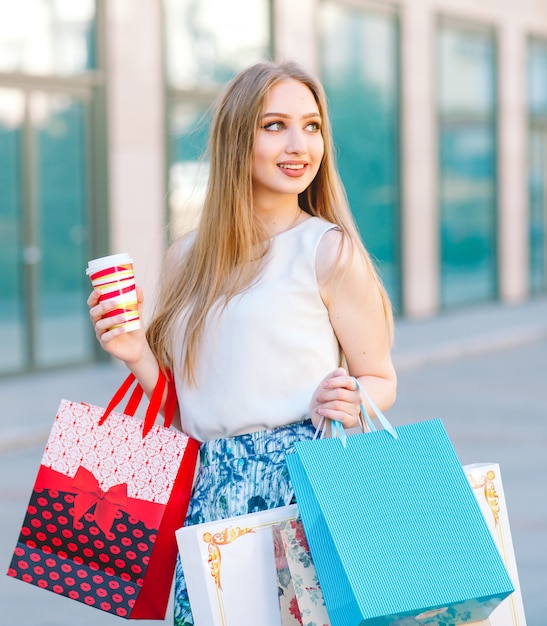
469, 332
29, 402
482, 371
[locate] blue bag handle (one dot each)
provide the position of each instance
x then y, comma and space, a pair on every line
380, 416
338, 429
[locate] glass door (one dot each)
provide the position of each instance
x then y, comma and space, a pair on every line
12, 326
44, 219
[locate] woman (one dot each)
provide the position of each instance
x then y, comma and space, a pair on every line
258, 307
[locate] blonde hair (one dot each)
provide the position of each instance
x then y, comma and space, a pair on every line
219, 263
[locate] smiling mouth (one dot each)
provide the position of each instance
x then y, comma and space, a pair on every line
292, 166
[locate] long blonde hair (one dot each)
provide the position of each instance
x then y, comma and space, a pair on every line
218, 264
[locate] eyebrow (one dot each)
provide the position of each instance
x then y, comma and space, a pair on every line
286, 116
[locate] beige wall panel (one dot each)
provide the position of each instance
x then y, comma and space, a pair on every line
136, 136
295, 32
419, 156
512, 163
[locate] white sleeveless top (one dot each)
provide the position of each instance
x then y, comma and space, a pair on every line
262, 357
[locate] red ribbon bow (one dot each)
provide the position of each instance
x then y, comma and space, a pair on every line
88, 493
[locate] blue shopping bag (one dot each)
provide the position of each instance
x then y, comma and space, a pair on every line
394, 529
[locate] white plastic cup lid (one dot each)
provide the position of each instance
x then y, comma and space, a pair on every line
108, 261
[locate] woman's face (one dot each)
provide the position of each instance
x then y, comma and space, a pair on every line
289, 143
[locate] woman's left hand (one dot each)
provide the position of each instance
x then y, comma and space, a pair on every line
337, 398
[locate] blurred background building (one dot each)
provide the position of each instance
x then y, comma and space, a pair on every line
439, 111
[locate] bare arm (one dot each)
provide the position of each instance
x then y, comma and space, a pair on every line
357, 315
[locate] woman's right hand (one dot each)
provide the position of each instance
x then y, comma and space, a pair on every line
126, 346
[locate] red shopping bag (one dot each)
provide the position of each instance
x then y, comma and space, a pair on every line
110, 493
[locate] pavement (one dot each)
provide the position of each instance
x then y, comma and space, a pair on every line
482, 370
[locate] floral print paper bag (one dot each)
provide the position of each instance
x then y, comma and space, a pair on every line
300, 598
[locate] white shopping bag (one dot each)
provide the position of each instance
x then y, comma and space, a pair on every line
485, 478
230, 572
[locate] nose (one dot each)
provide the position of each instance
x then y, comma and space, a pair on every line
296, 141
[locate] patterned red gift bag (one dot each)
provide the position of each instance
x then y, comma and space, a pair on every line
110, 493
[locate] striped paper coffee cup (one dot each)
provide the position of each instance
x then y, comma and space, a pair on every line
113, 276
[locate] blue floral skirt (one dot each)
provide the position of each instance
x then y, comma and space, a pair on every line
239, 475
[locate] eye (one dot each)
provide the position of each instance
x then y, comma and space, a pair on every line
274, 126
313, 127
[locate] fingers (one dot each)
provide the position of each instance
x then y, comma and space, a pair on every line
348, 414
112, 331
140, 296
98, 309
93, 298
338, 398
98, 313
339, 379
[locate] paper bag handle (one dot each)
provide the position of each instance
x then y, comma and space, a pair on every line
154, 405
366, 420
378, 414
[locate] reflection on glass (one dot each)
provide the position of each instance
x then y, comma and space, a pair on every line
466, 79
12, 351
209, 41
467, 160
467, 189
189, 170
62, 318
47, 36
537, 193
537, 77
359, 61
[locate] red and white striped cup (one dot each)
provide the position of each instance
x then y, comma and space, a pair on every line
113, 276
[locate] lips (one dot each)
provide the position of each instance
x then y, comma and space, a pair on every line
293, 169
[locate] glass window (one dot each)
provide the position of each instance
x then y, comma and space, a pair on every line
467, 165
466, 79
58, 122
12, 329
47, 36
537, 164
359, 68
209, 41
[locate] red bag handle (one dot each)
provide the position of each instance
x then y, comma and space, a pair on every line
154, 405
171, 400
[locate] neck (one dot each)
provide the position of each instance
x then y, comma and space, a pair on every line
279, 222
279, 213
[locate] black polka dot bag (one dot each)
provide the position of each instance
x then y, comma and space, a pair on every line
110, 492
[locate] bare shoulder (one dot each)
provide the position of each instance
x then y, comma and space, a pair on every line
339, 258
328, 253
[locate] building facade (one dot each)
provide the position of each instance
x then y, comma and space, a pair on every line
439, 113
